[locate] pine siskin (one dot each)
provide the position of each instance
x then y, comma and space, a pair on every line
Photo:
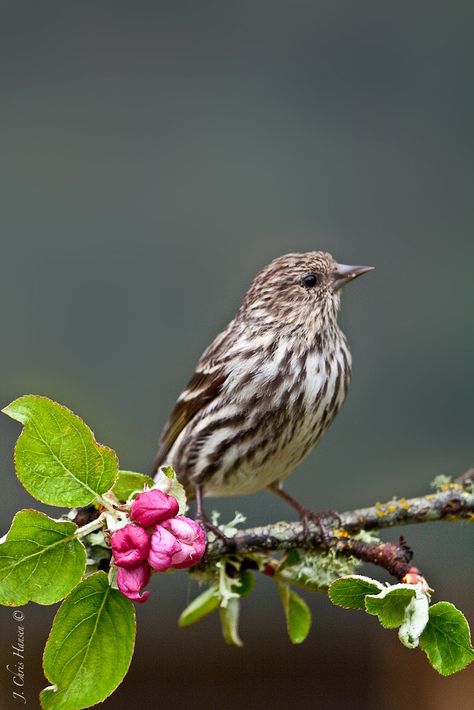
267, 387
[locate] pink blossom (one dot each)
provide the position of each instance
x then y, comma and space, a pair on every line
178, 542
163, 546
152, 507
132, 579
130, 545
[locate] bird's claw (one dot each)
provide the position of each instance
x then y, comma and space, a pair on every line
326, 521
208, 527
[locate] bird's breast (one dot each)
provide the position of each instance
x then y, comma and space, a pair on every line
276, 408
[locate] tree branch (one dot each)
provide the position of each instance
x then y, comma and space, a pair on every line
336, 531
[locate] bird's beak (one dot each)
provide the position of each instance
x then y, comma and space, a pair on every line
343, 274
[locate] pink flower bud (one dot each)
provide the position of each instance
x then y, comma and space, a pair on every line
130, 545
163, 546
179, 542
131, 580
152, 507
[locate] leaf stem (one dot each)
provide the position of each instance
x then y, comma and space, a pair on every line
90, 527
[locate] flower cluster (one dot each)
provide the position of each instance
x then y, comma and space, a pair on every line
156, 539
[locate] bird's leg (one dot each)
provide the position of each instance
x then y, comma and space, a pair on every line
206, 524
303, 512
306, 515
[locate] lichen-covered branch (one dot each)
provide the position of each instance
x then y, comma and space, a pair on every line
336, 531
339, 532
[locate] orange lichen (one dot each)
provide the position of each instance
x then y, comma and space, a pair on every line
403, 503
451, 487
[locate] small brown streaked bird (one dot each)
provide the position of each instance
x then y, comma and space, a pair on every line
267, 387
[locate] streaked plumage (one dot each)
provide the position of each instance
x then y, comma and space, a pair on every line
268, 386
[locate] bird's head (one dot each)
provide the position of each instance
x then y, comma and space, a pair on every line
299, 293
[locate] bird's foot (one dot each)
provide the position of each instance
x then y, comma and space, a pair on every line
208, 527
326, 520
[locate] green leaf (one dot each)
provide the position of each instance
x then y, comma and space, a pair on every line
446, 639
350, 592
247, 583
201, 606
56, 456
296, 578
229, 616
90, 646
292, 557
166, 480
128, 481
390, 605
297, 613
41, 560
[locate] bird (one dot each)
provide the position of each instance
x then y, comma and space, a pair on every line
267, 388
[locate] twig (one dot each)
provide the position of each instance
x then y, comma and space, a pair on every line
395, 558
452, 503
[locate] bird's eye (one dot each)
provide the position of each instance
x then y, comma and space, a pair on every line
312, 280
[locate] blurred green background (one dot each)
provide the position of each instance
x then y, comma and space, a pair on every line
154, 156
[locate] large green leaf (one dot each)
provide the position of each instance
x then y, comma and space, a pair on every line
446, 639
56, 456
297, 613
41, 560
350, 592
90, 646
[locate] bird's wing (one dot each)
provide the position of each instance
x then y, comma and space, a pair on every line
204, 386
